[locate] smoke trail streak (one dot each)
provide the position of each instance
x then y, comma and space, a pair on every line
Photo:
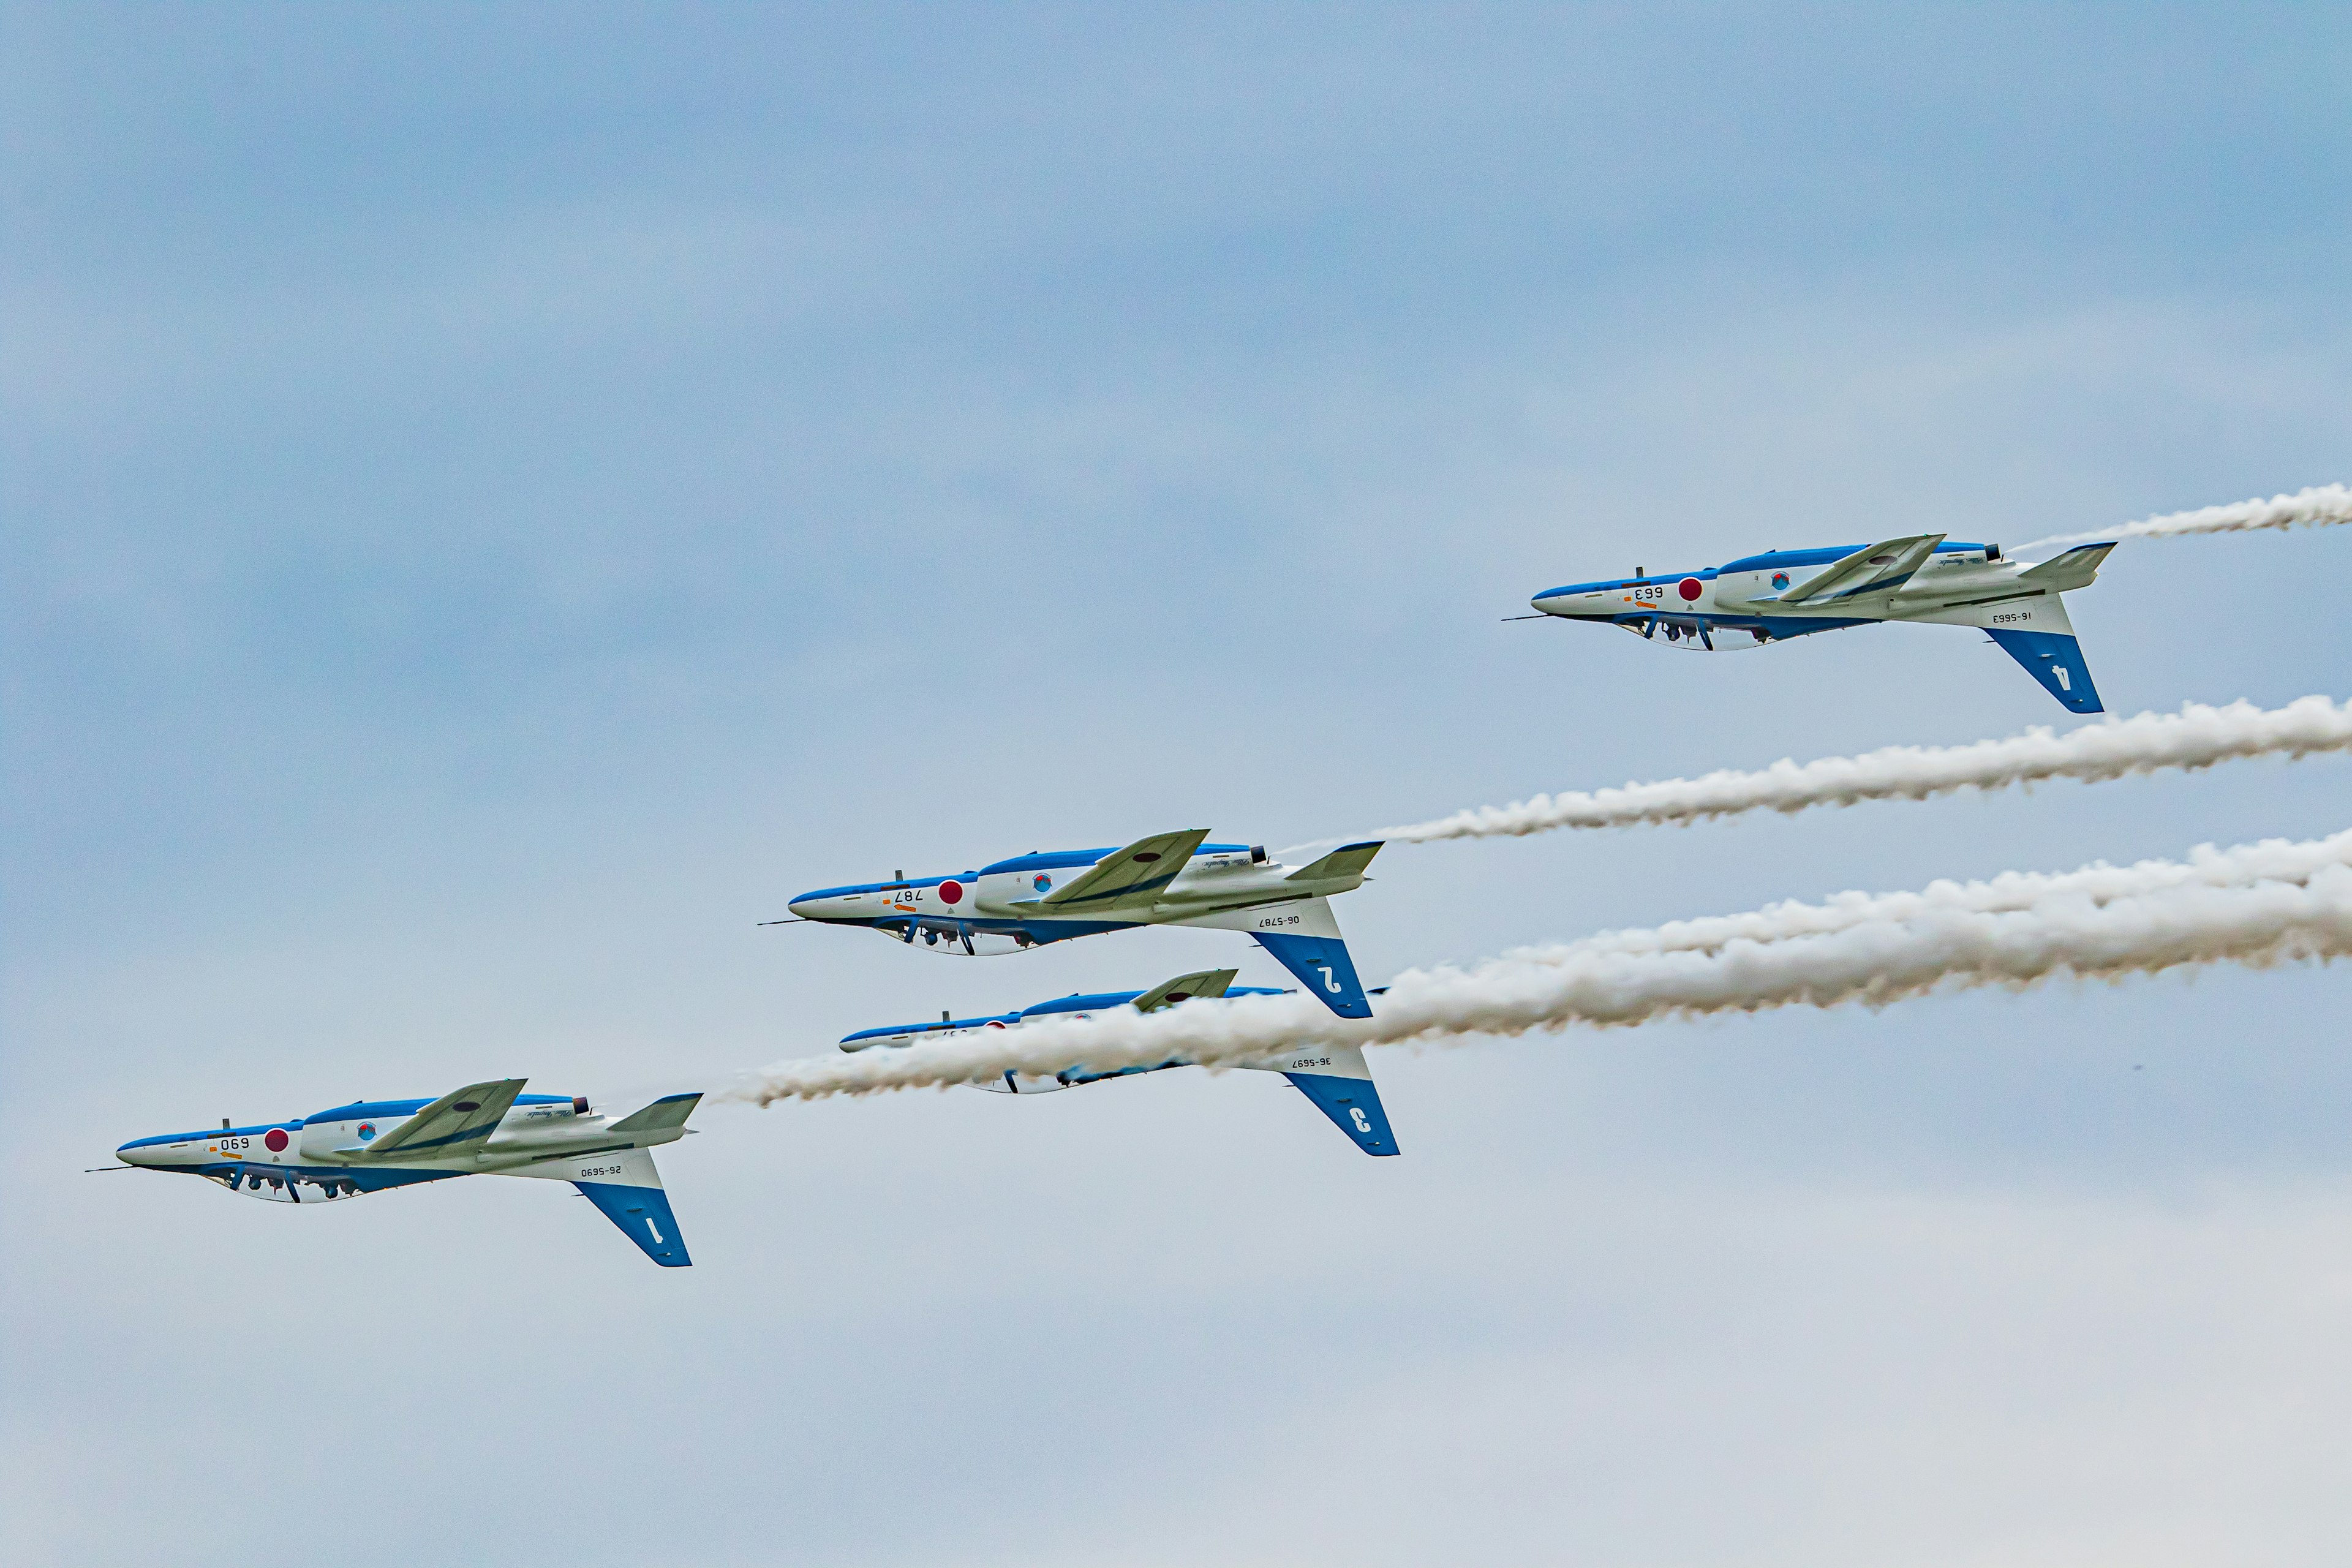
2317, 507
2196, 737
2163, 916
2271, 860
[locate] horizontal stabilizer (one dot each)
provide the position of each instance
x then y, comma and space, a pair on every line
2075, 569
1135, 874
670, 1110
1887, 564
1348, 860
1184, 987
1341, 1085
456, 1123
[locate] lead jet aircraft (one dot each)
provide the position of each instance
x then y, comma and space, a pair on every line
1786, 594
482, 1129
1334, 1076
1169, 878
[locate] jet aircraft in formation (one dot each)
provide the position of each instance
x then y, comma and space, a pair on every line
1169, 878
1334, 1076
1786, 594
482, 1129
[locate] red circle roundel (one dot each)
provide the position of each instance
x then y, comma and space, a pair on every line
951, 892
275, 1139
1688, 587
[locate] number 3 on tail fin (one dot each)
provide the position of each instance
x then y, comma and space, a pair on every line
1341, 1088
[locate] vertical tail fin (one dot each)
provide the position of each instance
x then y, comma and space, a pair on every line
2034, 628
1304, 939
2040, 637
1342, 1087
2055, 659
627, 1188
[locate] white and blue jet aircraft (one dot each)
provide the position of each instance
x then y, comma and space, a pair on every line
1171, 879
1334, 1076
1786, 594
481, 1130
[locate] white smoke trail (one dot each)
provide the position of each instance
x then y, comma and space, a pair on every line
2196, 737
2271, 860
2317, 507
2162, 916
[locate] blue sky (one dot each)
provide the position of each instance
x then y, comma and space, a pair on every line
496, 500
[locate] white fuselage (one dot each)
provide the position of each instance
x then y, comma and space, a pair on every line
1002, 907
1958, 585
325, 1150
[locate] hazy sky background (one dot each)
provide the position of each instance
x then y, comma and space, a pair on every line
497, 499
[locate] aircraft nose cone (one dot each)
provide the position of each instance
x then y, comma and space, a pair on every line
130, 1155
805, 906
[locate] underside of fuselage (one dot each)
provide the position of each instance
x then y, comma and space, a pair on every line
1719, 634
979, 937
286, 1183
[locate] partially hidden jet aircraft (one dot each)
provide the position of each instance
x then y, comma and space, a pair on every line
1171, 879
482, 1129
1785, 594
1334, 1076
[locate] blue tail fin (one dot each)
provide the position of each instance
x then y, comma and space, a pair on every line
642, 1212
1342, 1087
1322, 965
2056, 662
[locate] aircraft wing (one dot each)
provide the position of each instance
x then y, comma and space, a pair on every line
455, 1123
1184, 987
1132, 875
1886, 564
